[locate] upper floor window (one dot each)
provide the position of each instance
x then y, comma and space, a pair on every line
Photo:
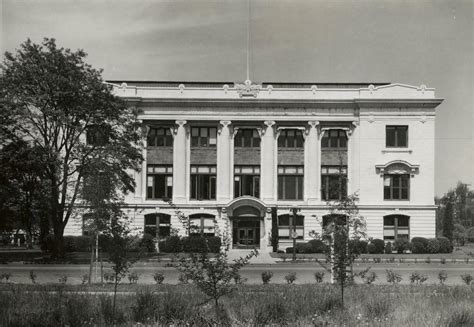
159, 183
202, 224
203, 136
247, 138
159, 136
396, 186
158, 225
247, 181
290, 138
203, 182
288, 223
396, 227
333, 182
290, 182
96, 135
396, 136
334, 139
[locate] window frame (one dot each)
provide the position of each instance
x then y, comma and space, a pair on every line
197, 178
283, 174
284, 139
159, 222
240, 139
239, 175
168, 175
397, 130
325, 182
290, 227
399, 187
167, 137
201, 226
396, 227
197, 141
331, 139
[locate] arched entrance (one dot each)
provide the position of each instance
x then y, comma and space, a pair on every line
247, 218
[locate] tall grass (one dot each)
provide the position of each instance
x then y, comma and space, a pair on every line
250, 305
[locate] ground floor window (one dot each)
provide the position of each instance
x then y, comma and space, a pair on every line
286, 225
290, 182
396, 227
203, 182
159, 182
202, 224
247, 181
333, 182
158, 225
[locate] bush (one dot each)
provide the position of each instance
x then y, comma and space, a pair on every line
290, 250
445, 245
133, 278
171, 244
77, 243
388, 248
376, 246
358, 246
419, 245
317, 246
319, 276
303, 248
401, 245
432, 246
418, 278
442, 276
199, 244
290, 278
148, 243
393, 277
266, 276
159, 278
466, 278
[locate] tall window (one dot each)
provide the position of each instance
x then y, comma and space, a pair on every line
396, 227
396, 187
203, 182
97, 135
333, 182
247, 138
286, 226
247, 181
159, 136
159, 182
203, 136
334, 139
202, 224
396, 136
158, 225
290, 182
290, 138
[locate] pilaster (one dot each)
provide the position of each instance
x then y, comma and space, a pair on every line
224, 163
180, 155
311, 163
268, 182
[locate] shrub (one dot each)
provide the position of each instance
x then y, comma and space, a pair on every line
33, 276
266, 276
200, 244
445, 245
432, 245
358, 246
368, 276
303, 248
418, 278
401, 245
376, 246
84, 279
442, 276
419, 245
148, 243
319, 276
388, 248
159, 278
183, 279
317, 246
290, 277
467, 278
109, 277
5, 276
62, 279
171, 244
290, 250
77, 243
133, 278
393, 277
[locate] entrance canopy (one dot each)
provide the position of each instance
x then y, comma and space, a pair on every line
246, 206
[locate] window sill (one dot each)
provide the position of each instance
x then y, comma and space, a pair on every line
397, 150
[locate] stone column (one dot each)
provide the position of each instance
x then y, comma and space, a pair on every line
311, 163
180, 170
224, 164
140, 177
267, 165
353, 152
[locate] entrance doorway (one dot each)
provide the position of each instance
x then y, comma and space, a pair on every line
245, 233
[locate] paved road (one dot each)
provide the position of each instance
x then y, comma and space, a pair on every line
305, 272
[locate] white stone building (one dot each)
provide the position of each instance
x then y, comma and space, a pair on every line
238, 154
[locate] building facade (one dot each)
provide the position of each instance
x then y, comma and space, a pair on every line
240, 157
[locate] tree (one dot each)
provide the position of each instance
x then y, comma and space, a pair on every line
53, 99
448, 216
343, 227
22, 188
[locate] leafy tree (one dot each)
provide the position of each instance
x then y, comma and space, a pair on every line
448, 216
53, 99
459, 234
22, 189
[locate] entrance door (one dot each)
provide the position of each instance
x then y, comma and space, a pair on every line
246, 236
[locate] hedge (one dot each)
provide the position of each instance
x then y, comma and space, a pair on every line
175, 244
376, 246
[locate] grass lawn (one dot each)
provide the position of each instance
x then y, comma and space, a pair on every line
248, 305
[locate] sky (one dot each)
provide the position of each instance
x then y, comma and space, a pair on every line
411, 42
